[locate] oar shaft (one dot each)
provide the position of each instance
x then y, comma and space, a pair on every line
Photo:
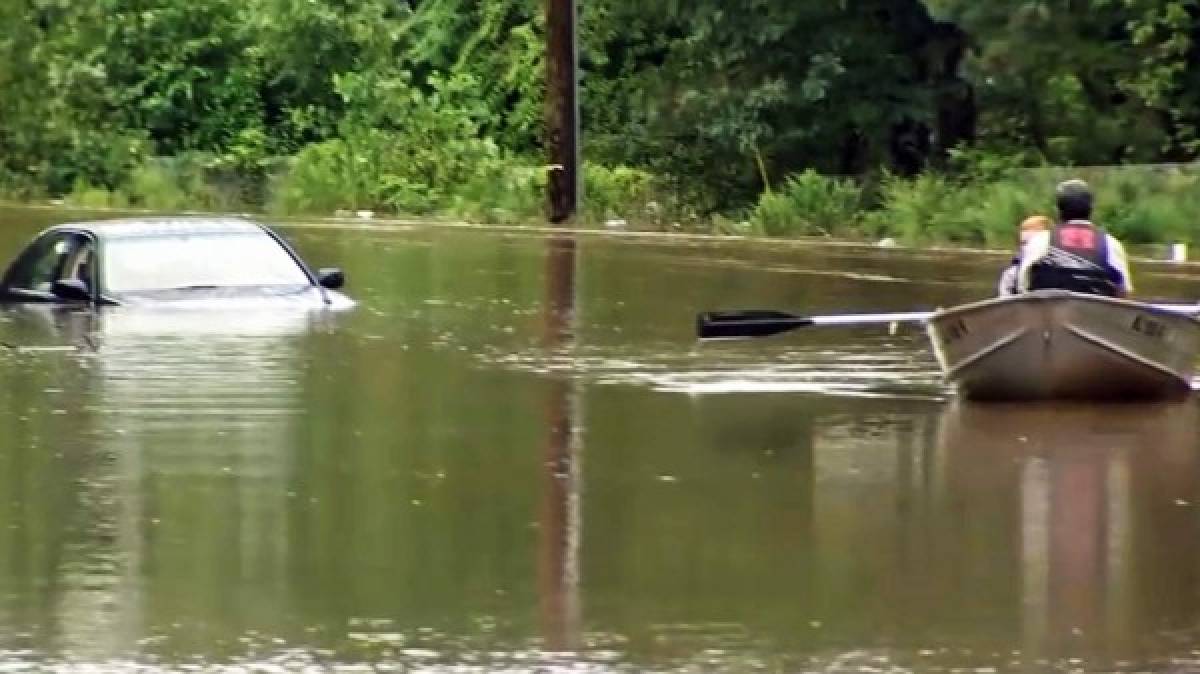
761, 323
868, 319
1192, 309
765, 322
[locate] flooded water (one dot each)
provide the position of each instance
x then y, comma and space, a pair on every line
514, 456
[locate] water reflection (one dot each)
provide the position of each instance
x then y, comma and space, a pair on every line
157, 412
1095, 492
560, 520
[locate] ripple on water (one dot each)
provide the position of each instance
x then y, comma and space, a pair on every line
242, 381
703, 659
900, 369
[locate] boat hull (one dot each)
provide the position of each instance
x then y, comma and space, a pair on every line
1059, 344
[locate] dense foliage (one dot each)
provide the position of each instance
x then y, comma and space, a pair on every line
692, 109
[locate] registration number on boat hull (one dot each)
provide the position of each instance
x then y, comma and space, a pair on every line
955, 331
1149, 327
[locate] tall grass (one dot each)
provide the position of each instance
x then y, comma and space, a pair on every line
1139, 204
377, 170
487, 186
167, 184
934, 207
626, 194
1149, 204
809, 204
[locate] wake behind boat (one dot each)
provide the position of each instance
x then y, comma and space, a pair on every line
1060, 344
1037, 345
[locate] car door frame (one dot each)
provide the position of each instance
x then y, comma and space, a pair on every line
9, 294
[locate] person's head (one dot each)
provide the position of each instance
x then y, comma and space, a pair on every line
1074, 200
1032, 225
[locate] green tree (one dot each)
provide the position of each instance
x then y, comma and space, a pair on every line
1096, 82
498, 44
732, 99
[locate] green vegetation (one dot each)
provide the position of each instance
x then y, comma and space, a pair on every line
1140, 204
809, 204
914, 119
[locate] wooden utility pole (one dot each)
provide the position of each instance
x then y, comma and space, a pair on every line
562, 111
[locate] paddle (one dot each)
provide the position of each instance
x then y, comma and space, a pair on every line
764, 322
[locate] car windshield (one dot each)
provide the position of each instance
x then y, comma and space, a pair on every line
200, 260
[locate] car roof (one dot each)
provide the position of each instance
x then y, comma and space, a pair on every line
164, 226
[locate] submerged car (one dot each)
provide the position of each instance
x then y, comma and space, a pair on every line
183, 261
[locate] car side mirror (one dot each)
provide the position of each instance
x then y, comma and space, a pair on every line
331, 277
71, 289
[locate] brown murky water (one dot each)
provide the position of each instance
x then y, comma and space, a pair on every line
514, 456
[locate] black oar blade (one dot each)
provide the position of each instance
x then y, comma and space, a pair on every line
752, 323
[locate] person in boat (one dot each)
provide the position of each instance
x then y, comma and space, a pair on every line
1075, 254
1029, 227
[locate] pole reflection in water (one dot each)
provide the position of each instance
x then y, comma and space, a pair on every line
560, 517
1094, 486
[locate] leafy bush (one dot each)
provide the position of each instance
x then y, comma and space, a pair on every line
912, 210
322, 178
500, 191
622, 193
401, 173
185, 182
19, 187
933, 207
808, 204
84, 195
405, 149
155, 188
1147, 204
1139, 204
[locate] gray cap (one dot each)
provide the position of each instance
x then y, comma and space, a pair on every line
1074, 199
1073, 188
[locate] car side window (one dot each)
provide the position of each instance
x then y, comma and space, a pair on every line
56, 256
